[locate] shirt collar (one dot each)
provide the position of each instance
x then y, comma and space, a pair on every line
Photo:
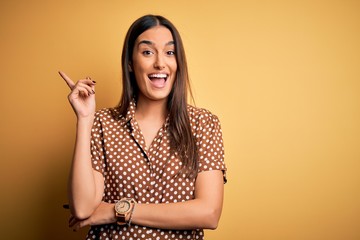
130, 114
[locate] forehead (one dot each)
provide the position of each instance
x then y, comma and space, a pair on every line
158, 35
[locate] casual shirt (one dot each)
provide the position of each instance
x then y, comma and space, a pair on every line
149, 175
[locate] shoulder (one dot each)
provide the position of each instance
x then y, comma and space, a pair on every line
202, 120
203, 115
108, 115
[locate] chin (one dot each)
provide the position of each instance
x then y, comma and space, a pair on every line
153, 97
158, 98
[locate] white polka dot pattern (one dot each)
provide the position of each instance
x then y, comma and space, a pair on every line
149, 176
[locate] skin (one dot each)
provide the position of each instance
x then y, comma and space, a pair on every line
153, 53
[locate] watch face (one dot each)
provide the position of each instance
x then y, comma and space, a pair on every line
122, 206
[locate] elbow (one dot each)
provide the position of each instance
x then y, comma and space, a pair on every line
80, 213
212, 223
82, 210
212, 218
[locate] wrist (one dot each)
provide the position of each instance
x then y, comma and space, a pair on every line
124, 210
130, 216
85, 122
85, 119
113, 213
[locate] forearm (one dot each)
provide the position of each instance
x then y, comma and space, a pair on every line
82, 187
202, 212
193, 214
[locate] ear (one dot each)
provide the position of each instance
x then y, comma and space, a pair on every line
130, 67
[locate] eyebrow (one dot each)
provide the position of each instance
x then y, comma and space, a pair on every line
147, 42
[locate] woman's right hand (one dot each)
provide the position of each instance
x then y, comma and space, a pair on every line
82, 96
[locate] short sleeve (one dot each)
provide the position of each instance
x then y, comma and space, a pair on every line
210, 144
97, 145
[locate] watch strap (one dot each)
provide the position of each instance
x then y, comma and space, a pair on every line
121, 217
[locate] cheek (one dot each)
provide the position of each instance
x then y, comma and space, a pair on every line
140, 81
173, 65
139, 78
137, 67
138, 70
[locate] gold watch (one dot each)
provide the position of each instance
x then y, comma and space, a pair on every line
123, 208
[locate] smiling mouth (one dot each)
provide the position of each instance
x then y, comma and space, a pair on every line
158, 79
158, 76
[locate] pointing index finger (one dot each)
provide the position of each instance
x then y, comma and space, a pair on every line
68, 81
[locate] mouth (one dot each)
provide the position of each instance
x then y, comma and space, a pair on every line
158, 80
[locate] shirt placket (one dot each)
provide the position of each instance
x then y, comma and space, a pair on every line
155, 145
140, 141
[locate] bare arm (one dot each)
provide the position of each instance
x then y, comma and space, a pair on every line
85, 185
202, 212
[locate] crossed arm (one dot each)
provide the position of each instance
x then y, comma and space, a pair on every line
86, 187
202, 212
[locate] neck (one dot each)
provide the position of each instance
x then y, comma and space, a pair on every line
152, 110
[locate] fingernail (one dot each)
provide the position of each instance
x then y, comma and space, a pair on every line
93, 81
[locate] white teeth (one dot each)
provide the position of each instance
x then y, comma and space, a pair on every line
158, 75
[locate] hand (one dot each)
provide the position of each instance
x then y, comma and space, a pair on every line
104, 214
82, 96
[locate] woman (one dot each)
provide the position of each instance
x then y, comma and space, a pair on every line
151, 168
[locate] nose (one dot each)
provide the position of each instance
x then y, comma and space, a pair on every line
159, 62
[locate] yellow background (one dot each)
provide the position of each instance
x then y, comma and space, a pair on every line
283, 77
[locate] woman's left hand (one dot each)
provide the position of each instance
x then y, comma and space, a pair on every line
103, 214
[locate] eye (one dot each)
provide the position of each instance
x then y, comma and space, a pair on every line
171, 52
147, 52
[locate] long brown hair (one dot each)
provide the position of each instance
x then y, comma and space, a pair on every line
182, 141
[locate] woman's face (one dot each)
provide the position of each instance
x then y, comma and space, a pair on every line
154, 63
